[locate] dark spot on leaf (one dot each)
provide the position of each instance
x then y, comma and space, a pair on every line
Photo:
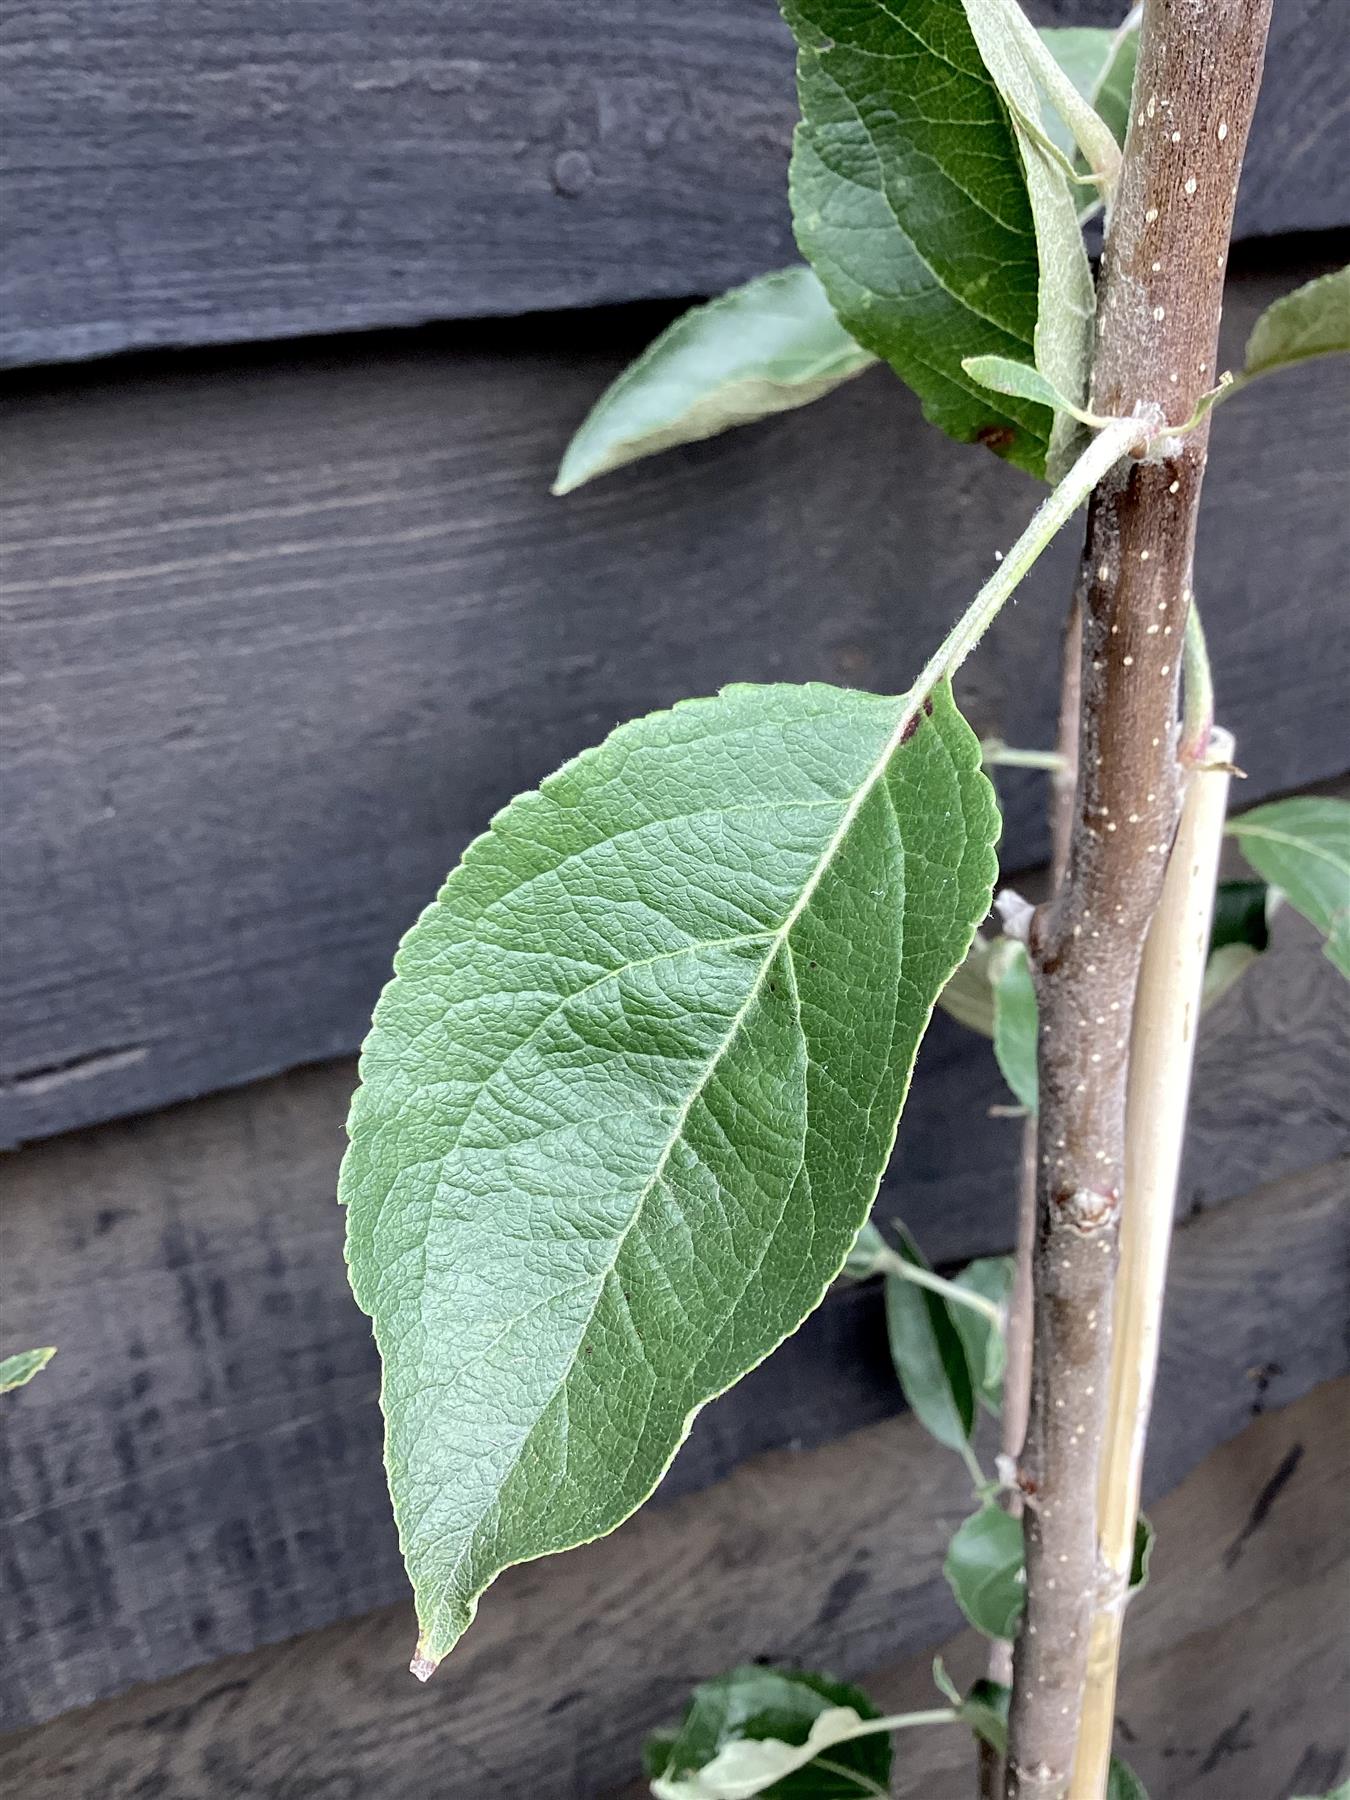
995, 437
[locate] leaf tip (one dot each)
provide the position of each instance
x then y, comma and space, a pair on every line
422, 1665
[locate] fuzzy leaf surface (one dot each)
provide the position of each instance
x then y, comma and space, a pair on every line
754, 1723
628, 1100
1100, 63
1312, 321
910, 201
1302, 847
763, 348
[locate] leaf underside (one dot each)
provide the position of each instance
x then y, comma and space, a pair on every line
764, 348
629, 1098
1302, 847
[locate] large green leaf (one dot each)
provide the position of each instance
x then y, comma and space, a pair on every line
627, 1103
1312, 321
763, 348
1302, 847
911, 201
747, 1724
18, 1370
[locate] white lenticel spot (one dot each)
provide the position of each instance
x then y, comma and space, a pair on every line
1176, 137
1190, 184
1223, 129
1160, 313
1150, 215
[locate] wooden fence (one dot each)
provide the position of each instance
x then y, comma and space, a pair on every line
290, 612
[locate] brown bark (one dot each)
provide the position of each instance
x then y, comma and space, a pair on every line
1159, 303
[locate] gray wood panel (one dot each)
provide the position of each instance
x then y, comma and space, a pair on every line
199, 1470
236, 171
1232, 1650
827, 1557
283, 632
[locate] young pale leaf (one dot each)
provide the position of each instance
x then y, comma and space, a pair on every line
1100, 63
929, 1354
1015, 1018
18, 1370
753, 1725
869, 1255
969, 995
1302, 847
984, 1343
910, 201
628, 1100
1016, 60
1312, 321
984, 1570
1001, 375
1340, 1793
763, 348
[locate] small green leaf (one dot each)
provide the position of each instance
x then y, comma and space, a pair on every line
1100, 63
985, 1568
17, 1371
1122, 1783
1340, 1793
929, 1354
984, 1571
869, 1255
1144, 1539
627, 1103
1016, 60
985, 1345
753, 1725
1302, 847
763, 348
1312, 321
927, 251
969, 995
984, 1708
1015, 1020
1001, 375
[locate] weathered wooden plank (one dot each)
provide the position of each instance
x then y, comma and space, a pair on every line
828, 1557
231, 173
283, 633
1232, 1651
199, 1471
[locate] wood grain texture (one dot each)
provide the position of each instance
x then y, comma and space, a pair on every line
283, 633
795, 1558
1236, 1649
199, 1472
237, 172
